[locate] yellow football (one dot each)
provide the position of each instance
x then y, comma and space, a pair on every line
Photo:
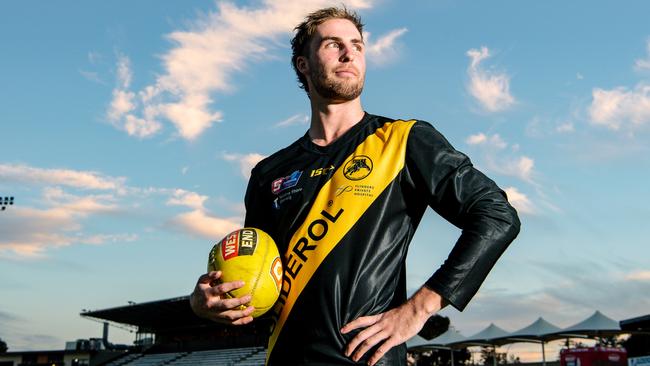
249, 255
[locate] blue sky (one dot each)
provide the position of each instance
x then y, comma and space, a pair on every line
129, 130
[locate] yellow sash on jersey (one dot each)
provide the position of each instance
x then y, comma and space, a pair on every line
340, 203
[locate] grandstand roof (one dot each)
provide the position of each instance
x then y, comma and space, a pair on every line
640, 323
154, 315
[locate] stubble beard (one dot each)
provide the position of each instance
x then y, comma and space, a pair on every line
332, 89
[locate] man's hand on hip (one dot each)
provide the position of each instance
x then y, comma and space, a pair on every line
393, 327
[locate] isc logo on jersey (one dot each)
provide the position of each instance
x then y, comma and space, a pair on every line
321, 171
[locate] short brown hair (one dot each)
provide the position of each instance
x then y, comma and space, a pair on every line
305, 31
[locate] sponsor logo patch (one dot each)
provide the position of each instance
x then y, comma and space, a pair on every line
240, 242
247, 241
283, 183
362, 190
321, 171
284, 197
343, 189
230, 246
358, 167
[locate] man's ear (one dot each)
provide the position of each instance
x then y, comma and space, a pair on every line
302, 65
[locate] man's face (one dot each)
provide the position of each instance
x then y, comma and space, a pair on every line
337, 64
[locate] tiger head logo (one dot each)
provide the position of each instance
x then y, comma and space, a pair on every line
358, 167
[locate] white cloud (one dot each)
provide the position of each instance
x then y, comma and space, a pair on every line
200, 223
491, 89
520, 201
29, 232
246, 162
139, 127
124, 73
205, 57
566, 127
542, 127
384, 49
477, 139
109, 238
296, 119
500, 161
189, 199
91, 76
191, 115
620, 107
65, 209
94, 57
638, 276
644, 64
121, 104
64, 177
124, 104
494, 141
82, 205
521, 167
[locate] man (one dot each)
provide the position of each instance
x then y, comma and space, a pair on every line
343, 203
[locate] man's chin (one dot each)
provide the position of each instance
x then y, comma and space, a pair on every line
341, 93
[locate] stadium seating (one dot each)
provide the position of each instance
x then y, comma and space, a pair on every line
246, 356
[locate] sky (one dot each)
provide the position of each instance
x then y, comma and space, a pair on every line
130, 128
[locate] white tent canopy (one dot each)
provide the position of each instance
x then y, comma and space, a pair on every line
487, 336
441, 341
540, 331
448, 337
596, 325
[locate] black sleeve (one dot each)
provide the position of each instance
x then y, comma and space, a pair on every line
468, 199
253, 201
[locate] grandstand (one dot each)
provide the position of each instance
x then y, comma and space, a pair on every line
247, 356
167, 333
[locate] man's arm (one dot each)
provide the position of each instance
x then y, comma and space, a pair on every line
466, 198
393, 327
209, 298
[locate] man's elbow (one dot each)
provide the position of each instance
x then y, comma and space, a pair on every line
513, 225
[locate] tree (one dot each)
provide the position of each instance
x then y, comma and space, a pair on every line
487, 356
442, 357
3, 346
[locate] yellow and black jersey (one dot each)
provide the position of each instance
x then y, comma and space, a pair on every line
343, 216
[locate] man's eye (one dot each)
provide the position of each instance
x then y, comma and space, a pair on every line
332, 45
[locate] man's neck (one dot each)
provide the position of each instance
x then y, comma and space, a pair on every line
329, 121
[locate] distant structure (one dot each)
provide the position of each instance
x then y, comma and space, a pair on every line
167, 332
5, 202
170, 325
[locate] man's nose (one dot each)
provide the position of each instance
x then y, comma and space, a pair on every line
347, 54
